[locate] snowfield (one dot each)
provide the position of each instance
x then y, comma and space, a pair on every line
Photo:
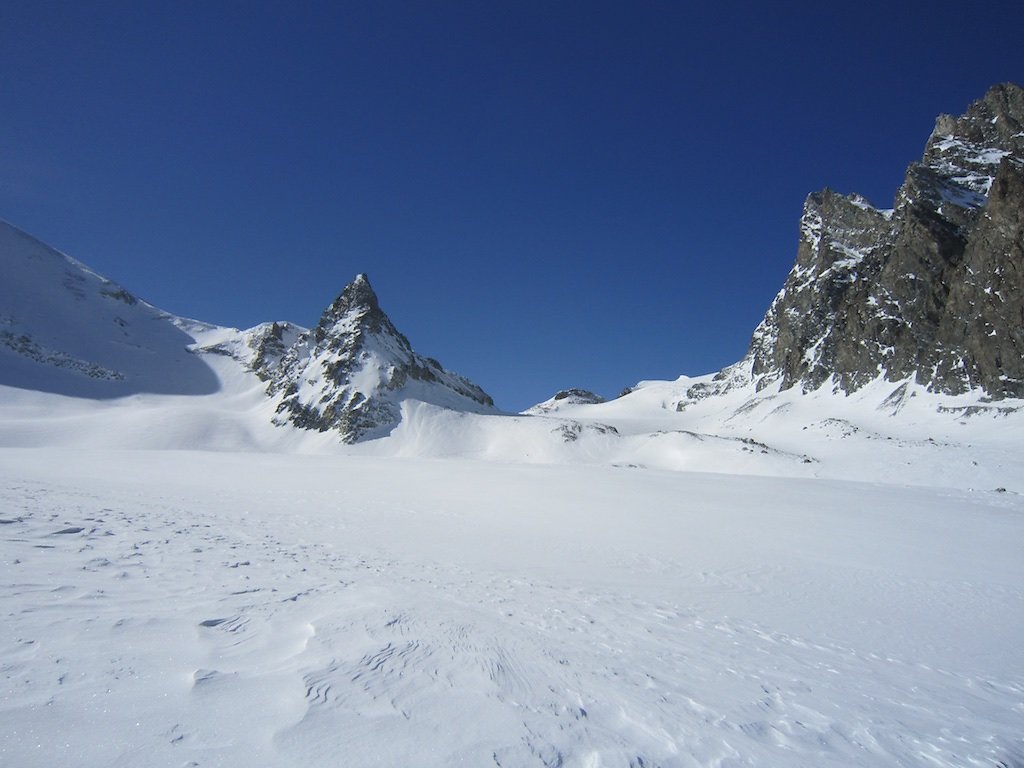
241, 609
694, 574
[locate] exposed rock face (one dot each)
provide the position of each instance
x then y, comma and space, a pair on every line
932, 290
572, 396
578, 396
259, 349
352, 370
268, 344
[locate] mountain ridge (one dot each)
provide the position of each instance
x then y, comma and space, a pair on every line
926, 297
66, 329
908, 292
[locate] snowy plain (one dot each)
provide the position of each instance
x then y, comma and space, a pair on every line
751, 579
197, 608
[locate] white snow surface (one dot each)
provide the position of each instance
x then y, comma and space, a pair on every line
744, 579
67, 330
785, 580
239, 609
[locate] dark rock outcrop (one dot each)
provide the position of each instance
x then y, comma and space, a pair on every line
571, 396
932, 290
578, 396
268, 343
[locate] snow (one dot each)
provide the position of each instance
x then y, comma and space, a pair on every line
853, 256
696, 573
969, 167
173, 608
972, 153
964, 196
864, 204
761, 579
811, 227
67, 330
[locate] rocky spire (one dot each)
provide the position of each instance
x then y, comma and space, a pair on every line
351, 372
357, 298
356, 311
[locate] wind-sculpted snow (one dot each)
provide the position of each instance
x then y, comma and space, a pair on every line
192, 609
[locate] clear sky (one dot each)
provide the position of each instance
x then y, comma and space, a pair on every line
544, 194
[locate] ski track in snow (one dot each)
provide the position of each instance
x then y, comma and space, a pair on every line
149, 630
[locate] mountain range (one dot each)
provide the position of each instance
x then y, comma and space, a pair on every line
923, 301
284, 546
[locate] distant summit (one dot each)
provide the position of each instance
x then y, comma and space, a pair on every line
351, 372
932, 290
571, 396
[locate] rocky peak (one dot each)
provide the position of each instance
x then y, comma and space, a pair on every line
966, 149
354, 318
932, 290
355, 306
351, 372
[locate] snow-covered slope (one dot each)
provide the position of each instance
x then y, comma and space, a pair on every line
84, 362
885, 432
185, 608
65, 329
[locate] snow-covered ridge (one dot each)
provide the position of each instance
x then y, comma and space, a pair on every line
68, 330
65, 329
846, 338
408, 406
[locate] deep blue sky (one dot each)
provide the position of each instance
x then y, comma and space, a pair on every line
544, 194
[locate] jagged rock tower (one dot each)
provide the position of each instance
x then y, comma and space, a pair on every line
932, 290
351, 372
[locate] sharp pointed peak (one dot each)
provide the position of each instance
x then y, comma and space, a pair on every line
361, 290
357, 296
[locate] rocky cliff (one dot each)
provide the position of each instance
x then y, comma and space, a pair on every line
931, 290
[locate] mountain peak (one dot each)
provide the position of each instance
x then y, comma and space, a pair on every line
352, 371
355, 310
360, 293
356, 301
966, 150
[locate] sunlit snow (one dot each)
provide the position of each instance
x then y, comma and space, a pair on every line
745, 579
